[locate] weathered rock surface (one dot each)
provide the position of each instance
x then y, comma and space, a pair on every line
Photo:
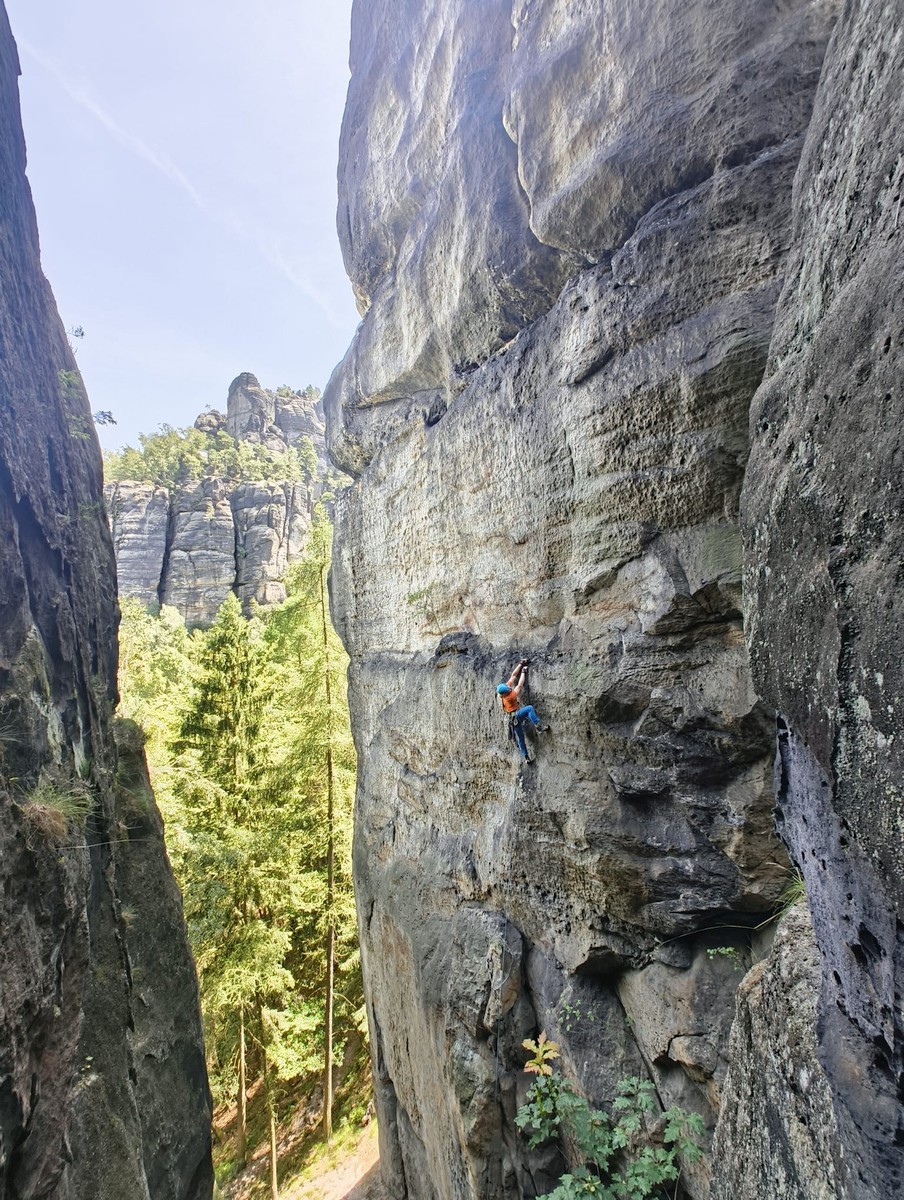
192, 546
272, 523
546, 408
195, 545
200, 564
777, 1133
139, 518
824, 526
103, 1090
254, 414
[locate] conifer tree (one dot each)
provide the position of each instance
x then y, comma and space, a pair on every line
253, 765
235, 903
320, 760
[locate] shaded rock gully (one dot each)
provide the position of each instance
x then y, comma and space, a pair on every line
103, 1086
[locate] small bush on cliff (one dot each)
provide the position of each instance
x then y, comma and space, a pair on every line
794, 892
52, 805
626, 1155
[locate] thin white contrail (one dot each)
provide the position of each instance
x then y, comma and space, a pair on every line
128, 141
166, 167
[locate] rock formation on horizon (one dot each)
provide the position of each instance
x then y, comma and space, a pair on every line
103, 1085
604, 256
190, 547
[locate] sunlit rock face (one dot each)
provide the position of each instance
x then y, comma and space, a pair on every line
823, 526
103, 1091
254, 414
139, 518
568, 228
192, 546
778, 1131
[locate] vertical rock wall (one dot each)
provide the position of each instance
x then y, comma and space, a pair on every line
567, 227
823, 523
103, 1088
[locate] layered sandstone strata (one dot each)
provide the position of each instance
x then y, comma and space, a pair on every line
568, 228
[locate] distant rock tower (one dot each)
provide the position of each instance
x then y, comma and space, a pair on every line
191, 546
273, 419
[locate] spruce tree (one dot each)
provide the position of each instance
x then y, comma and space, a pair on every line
253, 764
319, 758
235, 898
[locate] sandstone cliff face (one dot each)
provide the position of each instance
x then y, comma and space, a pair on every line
777, 1134
192, 546
102, 1083
139, 518
254, 414
568, 227
823, 524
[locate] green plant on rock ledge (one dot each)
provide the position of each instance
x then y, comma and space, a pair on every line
51, 805
794, 891
732, 953
630, 1154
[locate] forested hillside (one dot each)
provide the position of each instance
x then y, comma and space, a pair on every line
173, 458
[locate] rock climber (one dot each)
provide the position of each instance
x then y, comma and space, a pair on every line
511, 694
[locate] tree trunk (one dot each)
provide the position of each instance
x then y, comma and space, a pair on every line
330, 882
274, 1187
241, 1116
271, 1107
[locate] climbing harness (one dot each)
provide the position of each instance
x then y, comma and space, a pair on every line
512, 723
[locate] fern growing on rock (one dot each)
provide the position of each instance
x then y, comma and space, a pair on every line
628, 1154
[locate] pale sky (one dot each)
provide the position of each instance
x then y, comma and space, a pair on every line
182, 156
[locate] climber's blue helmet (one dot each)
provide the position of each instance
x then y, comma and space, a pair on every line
503, 689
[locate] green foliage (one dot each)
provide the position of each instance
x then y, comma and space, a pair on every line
571, 1015
732, 953
70, 385
175, 458
53, 804
307, 458
628, 1154
221, 726
308, 393
794, 892
237, 728
314, 739
157, 663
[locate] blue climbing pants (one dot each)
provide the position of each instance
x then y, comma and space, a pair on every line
527, 713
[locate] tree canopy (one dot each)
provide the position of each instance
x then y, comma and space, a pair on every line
174, 458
